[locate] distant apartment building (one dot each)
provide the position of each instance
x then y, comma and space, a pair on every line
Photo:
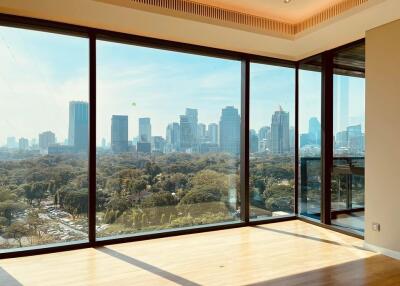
229, 133
212, 133
144, 130
119, 133
78, 131
46, 139
23, 144
172, 137
280, 132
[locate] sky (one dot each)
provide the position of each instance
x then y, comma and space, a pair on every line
40, 73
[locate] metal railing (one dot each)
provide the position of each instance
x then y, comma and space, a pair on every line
347, 185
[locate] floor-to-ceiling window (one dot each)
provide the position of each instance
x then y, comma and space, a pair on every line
310, 138
168, 146
168, 139
43, 138
271, 141
347, 185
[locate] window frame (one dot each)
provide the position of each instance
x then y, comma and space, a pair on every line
94, 34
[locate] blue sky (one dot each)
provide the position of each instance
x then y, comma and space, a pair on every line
41, 72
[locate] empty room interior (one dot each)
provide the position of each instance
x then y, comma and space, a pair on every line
199, 142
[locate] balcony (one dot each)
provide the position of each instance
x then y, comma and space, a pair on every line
347, 191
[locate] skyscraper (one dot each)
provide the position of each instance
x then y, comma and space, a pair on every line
78, 125
213, 133
193, 120
314, 131
185, 133
23, 144
119, 133
173, 137
158, 144
355, 138
46, 139
144, 130
201, 133
292, 134
280, 132
264, 132
229, 132
253, 137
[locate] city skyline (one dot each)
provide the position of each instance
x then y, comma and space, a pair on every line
206, 84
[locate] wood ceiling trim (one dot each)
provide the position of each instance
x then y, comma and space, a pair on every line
215, 15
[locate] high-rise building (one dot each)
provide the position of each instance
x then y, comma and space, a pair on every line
201, 132
355, 138
185, 133
103, 143
253, 141
341, 140
144, 130
213, 133
314, 131
119, 133
158, 144
280, 132
23, 144
291, 138
172, 137
229, 133
264, 132
46, 139
144, 147
192, 116
78, 132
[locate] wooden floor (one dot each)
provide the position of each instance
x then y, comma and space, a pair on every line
287, 253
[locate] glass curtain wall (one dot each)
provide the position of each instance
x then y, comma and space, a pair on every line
310, 138
168, 140
43, 138
272, 141
349, 138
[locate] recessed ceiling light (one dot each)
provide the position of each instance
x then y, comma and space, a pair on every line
287, 1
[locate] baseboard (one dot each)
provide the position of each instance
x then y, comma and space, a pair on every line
382, 250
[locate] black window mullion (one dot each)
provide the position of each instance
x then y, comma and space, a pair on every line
92, 139
244, 142
327, 135
296, 142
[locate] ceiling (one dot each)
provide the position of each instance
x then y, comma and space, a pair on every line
343, 29
293, 12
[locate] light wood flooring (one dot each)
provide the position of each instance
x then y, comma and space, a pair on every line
286, 253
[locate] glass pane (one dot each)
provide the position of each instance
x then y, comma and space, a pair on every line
44, 138
349, 139
310, 138
168, 140
272, 91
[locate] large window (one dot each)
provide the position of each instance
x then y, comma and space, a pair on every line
43, 138
272, 141
168, 139
349, 138
166, 151
310, 138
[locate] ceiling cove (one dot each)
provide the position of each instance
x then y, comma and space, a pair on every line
204, 12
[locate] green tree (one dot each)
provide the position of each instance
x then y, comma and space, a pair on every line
17, 231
